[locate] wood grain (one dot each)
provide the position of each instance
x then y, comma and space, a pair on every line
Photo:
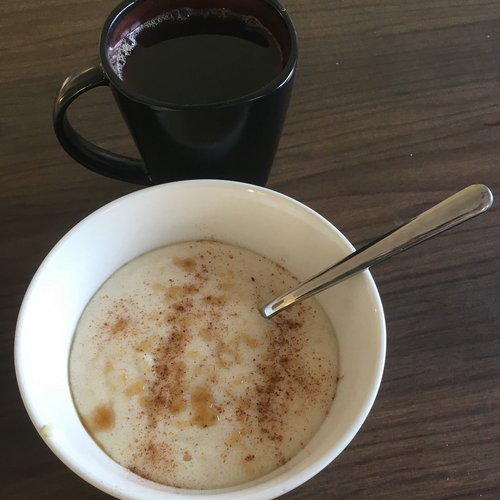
396, 105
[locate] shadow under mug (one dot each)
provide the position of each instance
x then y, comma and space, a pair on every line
236, 139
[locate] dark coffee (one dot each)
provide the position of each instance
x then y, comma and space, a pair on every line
195, 57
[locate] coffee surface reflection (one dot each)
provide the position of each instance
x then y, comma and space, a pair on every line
198, 57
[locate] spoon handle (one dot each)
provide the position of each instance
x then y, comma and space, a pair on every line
458, 208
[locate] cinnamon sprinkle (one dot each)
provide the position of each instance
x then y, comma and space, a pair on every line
206, 373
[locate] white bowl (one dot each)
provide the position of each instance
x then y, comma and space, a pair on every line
255, 218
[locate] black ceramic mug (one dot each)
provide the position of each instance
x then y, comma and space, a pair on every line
191, 126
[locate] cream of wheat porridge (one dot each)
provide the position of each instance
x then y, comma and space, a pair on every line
177, 376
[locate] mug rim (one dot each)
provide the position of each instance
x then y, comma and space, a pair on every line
285, 75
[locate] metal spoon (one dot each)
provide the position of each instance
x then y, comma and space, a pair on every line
460, 207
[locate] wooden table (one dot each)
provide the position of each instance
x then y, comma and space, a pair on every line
396, 106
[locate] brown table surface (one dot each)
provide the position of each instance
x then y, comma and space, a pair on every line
396, 106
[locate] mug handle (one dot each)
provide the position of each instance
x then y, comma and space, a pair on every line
91, 156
